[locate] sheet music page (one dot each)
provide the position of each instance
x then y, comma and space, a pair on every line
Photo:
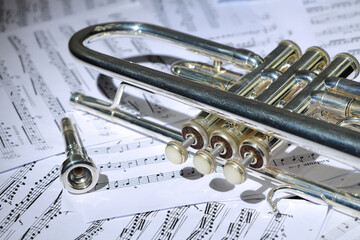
18, 14
34, 66
37, 75
31, 198
141, 173
340, 226
335, 25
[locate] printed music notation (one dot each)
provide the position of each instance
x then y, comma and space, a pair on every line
153, 178
352, 225
304, 160
110, 166
13, 184
34, 193
92, 230
137, 225
242, 224
43, 221
119, 147
276, 228
55, 58
206, 225
39, 84
19, 98
40, 11
173, 221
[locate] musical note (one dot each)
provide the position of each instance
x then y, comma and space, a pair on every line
20, 208
158, 177
173, 221
110, 166
92, 230
293, 160
122, 147
238, 228
14, 183
44, 219
69, 75
205, 226
137, 224
17, 96
53, 104
275, 228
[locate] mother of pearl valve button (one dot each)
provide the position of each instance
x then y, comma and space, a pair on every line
176, 153
235, 170
204, 162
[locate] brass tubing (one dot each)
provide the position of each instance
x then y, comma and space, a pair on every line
300, 130
343, 86
342, 66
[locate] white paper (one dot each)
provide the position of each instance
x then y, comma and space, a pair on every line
150, 182
31, 208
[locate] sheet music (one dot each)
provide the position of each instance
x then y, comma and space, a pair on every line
35, 64
18, 14
340, 226
335, 25
140, 174
252, 25
33, 211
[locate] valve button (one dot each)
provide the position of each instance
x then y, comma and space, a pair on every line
176, 152
204, 162
235, 172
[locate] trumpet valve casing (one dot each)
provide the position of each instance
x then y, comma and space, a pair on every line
195, 133
258, 146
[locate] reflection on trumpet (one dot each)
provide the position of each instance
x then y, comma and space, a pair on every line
303, 99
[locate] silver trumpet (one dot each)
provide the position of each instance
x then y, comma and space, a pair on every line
303, 99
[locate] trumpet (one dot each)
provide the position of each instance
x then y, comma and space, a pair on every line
306, 100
